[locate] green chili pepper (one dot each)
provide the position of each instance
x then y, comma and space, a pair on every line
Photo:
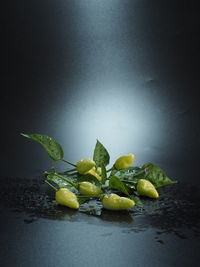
87, 188
115, 202
146, 188
124, 161
67, 198
84, 165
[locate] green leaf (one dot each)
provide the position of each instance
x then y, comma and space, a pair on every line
113, 171
103, 173
82, 199
86, 178
148, 171
52, 147
101, 155
61, 183
131, 174
137, 201
156, 175
115, 183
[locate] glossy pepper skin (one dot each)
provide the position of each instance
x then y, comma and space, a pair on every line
84, 165
98, 170
146, 188
87, 188
67, 198
115, 202
95, 174
124, 161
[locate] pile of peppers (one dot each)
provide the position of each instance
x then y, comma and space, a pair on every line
89, 178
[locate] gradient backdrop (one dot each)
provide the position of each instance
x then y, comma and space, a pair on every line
124, 72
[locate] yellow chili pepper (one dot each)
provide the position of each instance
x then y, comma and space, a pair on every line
115, 202
87, 188
146, 188
67, 198
95, 174
124, 161
84, 165
98, 170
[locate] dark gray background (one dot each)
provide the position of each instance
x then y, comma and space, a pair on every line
125, 72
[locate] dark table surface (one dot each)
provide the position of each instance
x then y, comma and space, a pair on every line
123, 72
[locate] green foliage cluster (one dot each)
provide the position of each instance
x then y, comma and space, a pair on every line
120, 181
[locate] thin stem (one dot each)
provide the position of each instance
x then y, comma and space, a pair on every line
65, 179
53, 167
46, 173
69, 162
53, 187
110, 169
71, 170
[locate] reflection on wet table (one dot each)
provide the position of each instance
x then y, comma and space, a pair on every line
175, 212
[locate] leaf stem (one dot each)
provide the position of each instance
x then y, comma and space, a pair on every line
53, 166
53, 187
68, 162
71, 170
65, 179
110, 169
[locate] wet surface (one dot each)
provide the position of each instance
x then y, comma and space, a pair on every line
175, 212
123, 72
